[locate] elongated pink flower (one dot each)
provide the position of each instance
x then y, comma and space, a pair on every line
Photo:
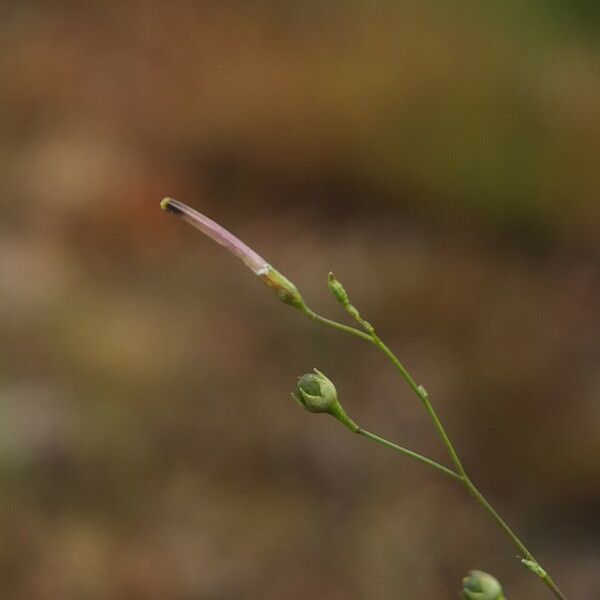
219, 234
286, 291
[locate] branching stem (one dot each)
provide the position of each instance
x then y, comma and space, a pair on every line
371, 336
334, 324
409, 453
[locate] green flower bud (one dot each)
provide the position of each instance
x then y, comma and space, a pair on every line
316, 393
481, 586
337, 289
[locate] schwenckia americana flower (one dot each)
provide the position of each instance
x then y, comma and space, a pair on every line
285, 290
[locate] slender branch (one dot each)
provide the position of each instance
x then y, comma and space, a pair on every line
330, 323
553, 587
374, 339
409, 453
424, 398
513, 537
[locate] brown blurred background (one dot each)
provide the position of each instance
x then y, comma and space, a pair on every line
442, 157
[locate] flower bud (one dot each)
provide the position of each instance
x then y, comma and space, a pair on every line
337, 289
317, 394
481, 586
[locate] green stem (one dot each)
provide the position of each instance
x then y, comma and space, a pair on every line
553, 587
423, 397
409, 453
339, 326
515, 540
373, 338
524, 552
499, 520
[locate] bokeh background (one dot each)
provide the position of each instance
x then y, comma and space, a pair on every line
441, 156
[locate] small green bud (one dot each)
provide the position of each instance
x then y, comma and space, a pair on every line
481, 586
316, 393
337, 289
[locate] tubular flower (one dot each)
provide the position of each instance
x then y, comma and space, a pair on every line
284, 289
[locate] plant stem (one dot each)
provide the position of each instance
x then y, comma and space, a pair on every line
409, 453
462, 476
424, 398
509, 532
330, 323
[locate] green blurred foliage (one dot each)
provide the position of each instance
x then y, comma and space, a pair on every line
441, 157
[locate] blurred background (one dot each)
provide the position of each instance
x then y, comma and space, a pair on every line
442, 157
